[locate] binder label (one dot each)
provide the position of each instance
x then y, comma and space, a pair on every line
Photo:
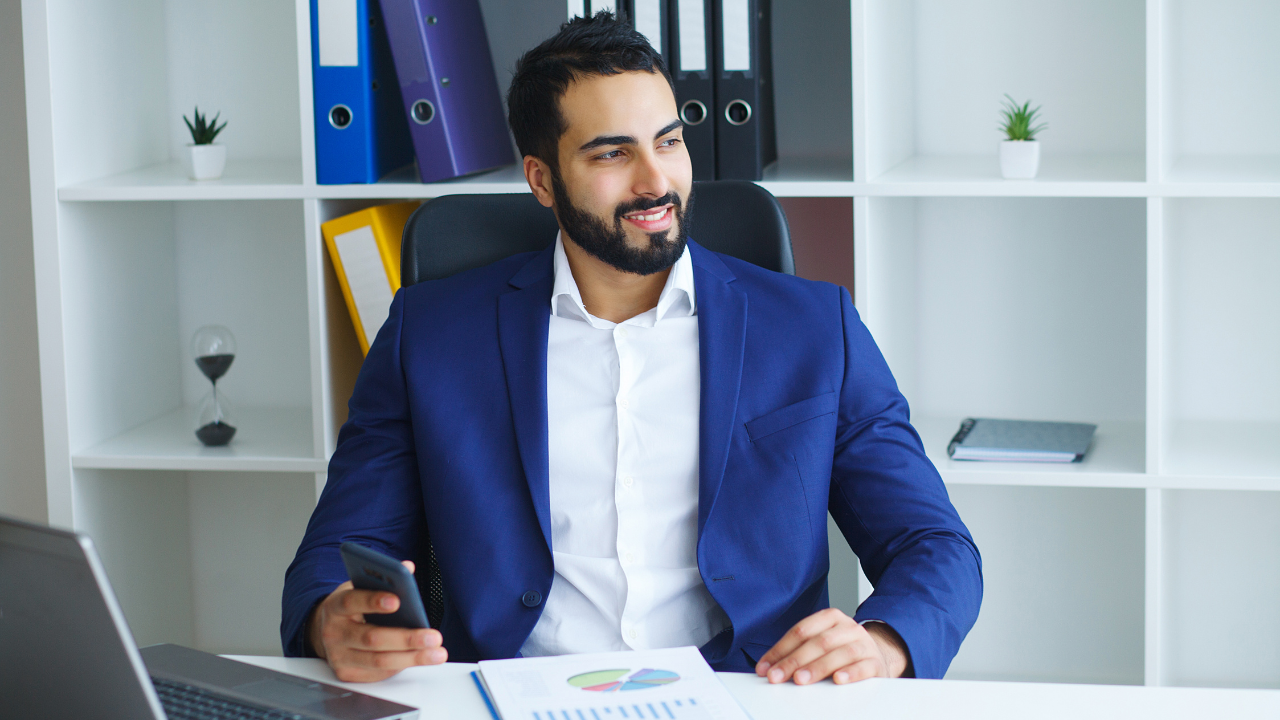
366, 278
648, 19
736, 17
693, 36
339, 35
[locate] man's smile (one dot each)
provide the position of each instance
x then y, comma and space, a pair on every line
652, 219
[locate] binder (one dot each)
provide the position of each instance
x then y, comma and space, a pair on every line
361, 132
588, 8
691, 70
649, 18
365, 249
745, 139
449, 90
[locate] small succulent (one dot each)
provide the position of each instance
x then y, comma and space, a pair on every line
202, 132
1018, 120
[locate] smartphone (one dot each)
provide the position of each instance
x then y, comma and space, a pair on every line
371, 570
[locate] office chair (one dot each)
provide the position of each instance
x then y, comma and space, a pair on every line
453, 233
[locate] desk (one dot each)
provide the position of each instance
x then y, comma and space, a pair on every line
446, 691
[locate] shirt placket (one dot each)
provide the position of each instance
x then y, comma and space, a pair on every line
627, 499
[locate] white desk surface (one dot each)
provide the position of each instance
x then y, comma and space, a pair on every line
446, 691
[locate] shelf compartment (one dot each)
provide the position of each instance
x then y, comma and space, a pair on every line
1116, 459
267, 440
1221, 401
1023, 308
1219, 54
1220, 624
1059, 605
176, 546
937, 71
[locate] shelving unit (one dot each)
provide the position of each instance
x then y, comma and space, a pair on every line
1132, 285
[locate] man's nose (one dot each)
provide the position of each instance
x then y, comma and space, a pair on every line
650, 177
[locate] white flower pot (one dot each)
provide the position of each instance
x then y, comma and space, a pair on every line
1019, 159
206, 162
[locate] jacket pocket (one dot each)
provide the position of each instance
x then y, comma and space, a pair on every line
792, 415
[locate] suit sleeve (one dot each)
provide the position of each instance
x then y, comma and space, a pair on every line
891, 505
372, 496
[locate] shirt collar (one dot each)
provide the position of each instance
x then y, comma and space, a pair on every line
676, 300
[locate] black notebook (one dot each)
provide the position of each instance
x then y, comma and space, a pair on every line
1021, 441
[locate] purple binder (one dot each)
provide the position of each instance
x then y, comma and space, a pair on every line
450, 91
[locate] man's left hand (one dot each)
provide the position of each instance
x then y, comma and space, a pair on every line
831, 644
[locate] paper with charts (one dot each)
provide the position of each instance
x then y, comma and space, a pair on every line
670, 684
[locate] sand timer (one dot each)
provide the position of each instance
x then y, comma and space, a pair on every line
214, 347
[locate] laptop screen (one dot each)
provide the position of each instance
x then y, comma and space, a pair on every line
62, 647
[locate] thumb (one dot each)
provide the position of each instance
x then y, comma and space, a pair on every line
409, 564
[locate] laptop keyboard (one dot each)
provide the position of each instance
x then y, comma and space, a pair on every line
187, 702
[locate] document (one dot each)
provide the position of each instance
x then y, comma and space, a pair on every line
668, 684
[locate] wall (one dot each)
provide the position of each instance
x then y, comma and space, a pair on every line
22, 490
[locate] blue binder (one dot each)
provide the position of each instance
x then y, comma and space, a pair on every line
361, 131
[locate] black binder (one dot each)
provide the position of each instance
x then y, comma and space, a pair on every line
650, 18
745, 138
691, 46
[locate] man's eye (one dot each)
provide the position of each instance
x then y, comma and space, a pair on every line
610, 155
670, 142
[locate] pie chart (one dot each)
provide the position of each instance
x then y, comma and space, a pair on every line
622, 680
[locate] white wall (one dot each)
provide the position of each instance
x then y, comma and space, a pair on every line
21, 437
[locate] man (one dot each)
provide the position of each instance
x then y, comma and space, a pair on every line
628, 441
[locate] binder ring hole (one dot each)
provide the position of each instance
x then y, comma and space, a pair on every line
423, 112
340, 117
693, 112
737, 112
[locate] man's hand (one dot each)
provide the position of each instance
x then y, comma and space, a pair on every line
360, 652
829, 643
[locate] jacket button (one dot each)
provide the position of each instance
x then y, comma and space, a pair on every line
531, 598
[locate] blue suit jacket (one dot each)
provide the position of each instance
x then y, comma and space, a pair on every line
799, 417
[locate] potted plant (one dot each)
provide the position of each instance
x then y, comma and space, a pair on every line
205, 160
1019, 151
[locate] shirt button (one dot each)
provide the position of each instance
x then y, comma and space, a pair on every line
628, 481
622, 332
629, 557
622, 403
531, 598
633, 634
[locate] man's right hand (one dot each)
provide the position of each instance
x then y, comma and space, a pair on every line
360, 652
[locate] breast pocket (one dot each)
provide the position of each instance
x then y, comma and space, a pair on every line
792, 415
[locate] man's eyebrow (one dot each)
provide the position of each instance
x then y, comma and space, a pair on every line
608, 140
602, 140
670, 126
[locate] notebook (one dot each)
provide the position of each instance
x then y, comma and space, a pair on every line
1021, 441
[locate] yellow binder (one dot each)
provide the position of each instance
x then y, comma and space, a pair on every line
365, 249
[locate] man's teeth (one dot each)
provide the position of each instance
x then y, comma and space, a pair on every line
649, 218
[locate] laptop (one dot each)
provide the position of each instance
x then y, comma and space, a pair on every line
66, 652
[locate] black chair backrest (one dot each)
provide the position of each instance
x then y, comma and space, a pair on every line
453, 233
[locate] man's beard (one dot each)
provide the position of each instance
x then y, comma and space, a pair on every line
610, 244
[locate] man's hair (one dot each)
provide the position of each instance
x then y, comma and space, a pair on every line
598, 45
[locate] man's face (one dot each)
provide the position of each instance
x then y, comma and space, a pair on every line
622, 192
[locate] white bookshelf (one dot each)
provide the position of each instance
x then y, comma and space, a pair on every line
1132, 284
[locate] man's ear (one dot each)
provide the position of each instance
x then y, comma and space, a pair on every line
538, 175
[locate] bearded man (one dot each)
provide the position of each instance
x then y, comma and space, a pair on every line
627, 441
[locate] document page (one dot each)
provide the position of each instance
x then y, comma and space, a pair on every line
669, 684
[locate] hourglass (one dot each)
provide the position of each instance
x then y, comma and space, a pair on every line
214, 348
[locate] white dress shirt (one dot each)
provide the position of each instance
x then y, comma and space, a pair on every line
622, 419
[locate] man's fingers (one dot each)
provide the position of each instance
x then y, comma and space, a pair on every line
364, 636
861, 670
360, 602
409, 564
799, 634
365, 666
836, 639
856, 652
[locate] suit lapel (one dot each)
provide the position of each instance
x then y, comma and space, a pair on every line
722, 336
523, 319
